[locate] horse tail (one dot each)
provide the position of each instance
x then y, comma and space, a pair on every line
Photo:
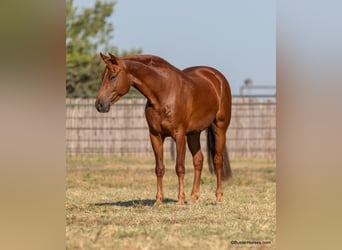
211, 149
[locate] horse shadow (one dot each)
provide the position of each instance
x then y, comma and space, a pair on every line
134, 203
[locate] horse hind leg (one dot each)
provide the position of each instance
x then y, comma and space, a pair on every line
195, 149
220, 142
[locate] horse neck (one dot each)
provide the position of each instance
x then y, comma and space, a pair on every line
149, 81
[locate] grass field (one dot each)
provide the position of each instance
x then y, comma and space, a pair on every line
109, 205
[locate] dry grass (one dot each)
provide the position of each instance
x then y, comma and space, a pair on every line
109, 205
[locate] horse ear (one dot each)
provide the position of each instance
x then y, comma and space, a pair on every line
113, 59
104, 57
116, 61
110, 61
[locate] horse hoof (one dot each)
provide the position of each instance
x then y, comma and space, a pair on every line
180, 204
193, 201
219, 202
158, 203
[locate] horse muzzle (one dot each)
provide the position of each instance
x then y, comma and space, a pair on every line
102, 106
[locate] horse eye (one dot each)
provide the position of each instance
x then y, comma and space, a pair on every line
112, 78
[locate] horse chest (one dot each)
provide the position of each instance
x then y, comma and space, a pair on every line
161, 121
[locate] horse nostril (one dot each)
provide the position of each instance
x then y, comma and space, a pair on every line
102, 106
98, 105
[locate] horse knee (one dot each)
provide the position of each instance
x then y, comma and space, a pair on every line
160, 170
180, 170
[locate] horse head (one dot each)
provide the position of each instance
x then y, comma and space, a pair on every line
115, 83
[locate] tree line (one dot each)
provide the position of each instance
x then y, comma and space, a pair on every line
88, 31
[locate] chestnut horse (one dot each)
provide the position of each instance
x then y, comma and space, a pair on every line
180, 104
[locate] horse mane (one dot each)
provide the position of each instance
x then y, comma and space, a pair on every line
151, 60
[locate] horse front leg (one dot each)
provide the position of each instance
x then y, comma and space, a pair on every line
157, 145
180, 165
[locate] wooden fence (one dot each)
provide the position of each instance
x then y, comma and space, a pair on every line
124, 130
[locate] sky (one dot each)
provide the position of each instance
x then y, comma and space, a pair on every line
236, 37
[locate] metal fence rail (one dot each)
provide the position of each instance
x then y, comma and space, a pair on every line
124, 130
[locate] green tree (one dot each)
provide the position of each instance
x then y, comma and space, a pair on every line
87, 32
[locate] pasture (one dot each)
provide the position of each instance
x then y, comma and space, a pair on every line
109, 205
